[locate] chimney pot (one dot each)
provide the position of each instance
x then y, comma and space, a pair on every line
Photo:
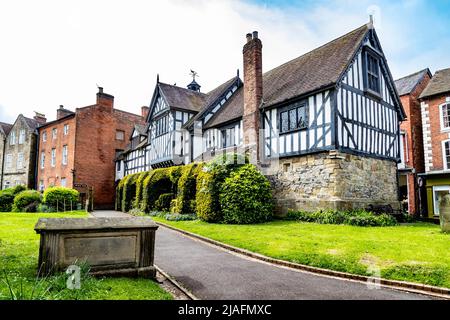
61, 106
249, 37
255, 34
100, 89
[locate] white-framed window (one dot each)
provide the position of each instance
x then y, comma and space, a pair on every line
444, 115
63, 182
12, 138
64, 154
120, 135
403, 150
9, 161
42, 160
21, 136
54, 133
66, 129
6, 185
41, 185
44, 136
446, 154
20, 160
438, 193
53, 157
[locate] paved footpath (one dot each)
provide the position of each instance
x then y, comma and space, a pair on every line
210, 272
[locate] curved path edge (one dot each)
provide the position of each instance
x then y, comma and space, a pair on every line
434, 291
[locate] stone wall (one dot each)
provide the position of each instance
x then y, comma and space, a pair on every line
333, 180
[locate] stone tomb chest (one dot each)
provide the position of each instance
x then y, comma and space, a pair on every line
110, 246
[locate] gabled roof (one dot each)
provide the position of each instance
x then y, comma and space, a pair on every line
212, 96
5, 127
31, 123
440, 83
232, 110
182, 98
407, 84
312, 71
315, 70
141, 129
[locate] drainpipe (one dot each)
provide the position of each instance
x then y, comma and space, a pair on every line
3, 162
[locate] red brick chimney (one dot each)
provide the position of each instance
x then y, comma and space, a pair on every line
40, 118
61, 112
144, 111
104, 99
253, 93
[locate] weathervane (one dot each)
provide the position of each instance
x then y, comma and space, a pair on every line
193, 74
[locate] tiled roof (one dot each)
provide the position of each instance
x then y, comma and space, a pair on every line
178, 97
312, 71
212, 96
232, 110
440, 83
407, 84
5, 127
141, 129
33, 124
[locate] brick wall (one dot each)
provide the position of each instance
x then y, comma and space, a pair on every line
52, 175
96, 147
433, 134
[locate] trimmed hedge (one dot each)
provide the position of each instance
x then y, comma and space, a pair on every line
129, 191
6, 201
360, 218
209, 185
186, 190
246, 197
27, 201
139, 189
7, 197
158, 182
60, 198
163, 202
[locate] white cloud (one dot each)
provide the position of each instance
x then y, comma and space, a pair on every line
54, 53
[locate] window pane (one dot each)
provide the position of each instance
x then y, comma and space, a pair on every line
446, 116
293, 119
447, 153
284, 121
301, 117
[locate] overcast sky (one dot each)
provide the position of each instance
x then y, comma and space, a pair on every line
56, 52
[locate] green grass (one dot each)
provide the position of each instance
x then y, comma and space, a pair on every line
417, 252
19, 250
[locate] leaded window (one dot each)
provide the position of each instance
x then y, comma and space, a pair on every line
293, 118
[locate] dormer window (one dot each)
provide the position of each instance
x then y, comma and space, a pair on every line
372, 70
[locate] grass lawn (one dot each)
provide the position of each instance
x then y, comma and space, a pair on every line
417, 252
19, 250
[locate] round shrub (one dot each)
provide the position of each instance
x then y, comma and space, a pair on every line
209, 184
60, 198
27, 201
246, 197
6, 200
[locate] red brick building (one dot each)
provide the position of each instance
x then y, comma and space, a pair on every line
80, 147
409, 89
435, 105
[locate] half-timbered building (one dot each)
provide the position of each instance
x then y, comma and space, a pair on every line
324, 127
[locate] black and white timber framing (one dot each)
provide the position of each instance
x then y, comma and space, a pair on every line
360, 114
348, 116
